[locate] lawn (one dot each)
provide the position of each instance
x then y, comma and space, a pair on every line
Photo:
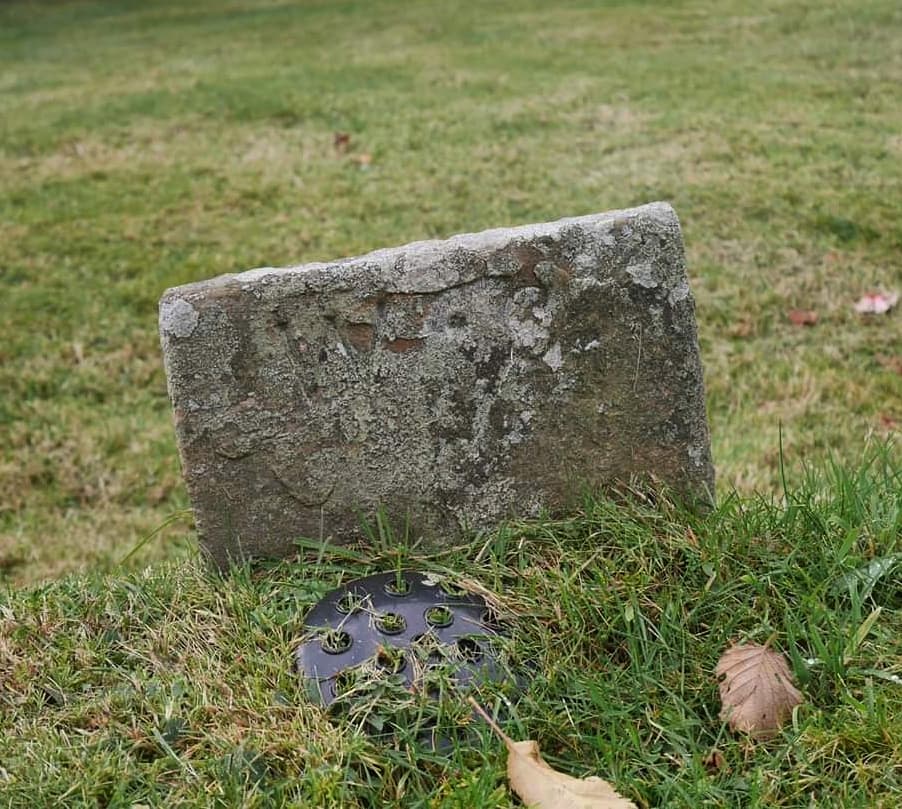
144, 145
149, 144
165, 688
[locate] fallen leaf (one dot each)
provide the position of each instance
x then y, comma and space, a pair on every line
888, 422
876, 303
802, 317
541, 787
756, 689
341, 141
714, 761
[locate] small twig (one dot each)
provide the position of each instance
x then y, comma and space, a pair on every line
491, 722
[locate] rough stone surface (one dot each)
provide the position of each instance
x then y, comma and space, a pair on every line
452, 383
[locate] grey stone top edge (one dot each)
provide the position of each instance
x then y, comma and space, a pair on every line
421, 255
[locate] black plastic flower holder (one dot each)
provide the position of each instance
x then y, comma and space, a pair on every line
399, 625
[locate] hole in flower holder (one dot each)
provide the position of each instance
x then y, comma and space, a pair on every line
439, 617
391, 623
350, 603
336, 641
343, 682
398, 587
391, 659
469, 649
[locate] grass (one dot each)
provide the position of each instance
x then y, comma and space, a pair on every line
147, 144
167, 688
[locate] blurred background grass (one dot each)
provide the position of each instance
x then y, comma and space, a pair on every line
148, 144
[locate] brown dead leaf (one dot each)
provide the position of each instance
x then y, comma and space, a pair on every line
714, 761
756, 689
541, 787
802, 317
341, 141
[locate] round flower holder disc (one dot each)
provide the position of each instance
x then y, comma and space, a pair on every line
399, 622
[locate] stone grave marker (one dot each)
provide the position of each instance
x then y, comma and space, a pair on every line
452, 383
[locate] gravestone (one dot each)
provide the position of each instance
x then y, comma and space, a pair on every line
450, 383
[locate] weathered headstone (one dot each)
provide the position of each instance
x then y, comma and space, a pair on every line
451, 383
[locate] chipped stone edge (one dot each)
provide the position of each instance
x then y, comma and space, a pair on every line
419, 257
